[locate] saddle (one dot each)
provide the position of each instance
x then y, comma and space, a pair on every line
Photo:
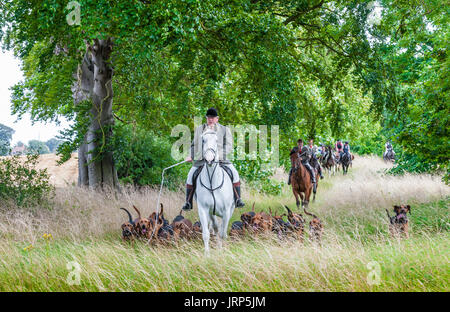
200, 168
227, 170
197, 172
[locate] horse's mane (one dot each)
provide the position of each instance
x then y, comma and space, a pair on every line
292, 157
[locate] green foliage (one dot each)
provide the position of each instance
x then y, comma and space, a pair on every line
140, 157
257, 173
5, 139
407, 162
317, 69
369, 145
22, 184
416, 57
37, 147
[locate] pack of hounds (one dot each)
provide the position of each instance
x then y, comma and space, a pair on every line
157, 229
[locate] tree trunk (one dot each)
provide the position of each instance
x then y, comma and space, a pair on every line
96, 167
83, 178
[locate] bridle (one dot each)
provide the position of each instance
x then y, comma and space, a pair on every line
210, 176
296, 162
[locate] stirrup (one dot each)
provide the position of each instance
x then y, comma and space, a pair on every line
239, 203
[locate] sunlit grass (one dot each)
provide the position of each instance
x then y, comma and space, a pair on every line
84, 228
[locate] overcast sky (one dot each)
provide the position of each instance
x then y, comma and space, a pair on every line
10, 74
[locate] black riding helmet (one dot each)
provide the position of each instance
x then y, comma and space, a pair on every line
212, 112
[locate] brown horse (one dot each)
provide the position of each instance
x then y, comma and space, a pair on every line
330, 162
301, 181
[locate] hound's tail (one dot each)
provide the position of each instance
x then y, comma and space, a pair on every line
129, 215
310, 214
289, 210
390, 220
137, 210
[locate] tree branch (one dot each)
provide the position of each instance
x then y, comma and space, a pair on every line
300, 13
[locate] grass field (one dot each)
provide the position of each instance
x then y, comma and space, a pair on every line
356, 254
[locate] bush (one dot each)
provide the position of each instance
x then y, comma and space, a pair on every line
369, 145
21, 183
140, 157
257, 174
406, 162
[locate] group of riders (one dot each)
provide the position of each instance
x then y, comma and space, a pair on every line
310, 156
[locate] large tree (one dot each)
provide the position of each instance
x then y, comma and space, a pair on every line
159, 63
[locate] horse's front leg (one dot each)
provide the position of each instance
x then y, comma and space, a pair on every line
225, 220
217, 231
307, 196
204, 220
297, 200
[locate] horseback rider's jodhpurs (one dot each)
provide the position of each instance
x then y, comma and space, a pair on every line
190, 186
194, 168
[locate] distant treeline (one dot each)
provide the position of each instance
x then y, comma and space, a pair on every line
33, 146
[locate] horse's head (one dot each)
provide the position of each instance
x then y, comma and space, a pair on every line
345, 158
295, 158
209, 139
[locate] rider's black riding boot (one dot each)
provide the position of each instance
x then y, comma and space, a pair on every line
189, 194
237, 195
319, 169
289, 179
312, 174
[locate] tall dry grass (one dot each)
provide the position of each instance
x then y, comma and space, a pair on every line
85, 228
418, 264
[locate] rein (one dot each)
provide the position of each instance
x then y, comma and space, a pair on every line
211, 189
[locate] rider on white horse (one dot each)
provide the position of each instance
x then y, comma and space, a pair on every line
388, 147
225, 146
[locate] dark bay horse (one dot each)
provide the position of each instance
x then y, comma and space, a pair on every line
346, 162
302, 186
329, 162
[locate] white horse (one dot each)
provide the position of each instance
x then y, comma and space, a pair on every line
214, 193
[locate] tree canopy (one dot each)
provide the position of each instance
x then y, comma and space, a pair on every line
320, 69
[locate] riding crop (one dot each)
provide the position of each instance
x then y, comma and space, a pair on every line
159, 195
